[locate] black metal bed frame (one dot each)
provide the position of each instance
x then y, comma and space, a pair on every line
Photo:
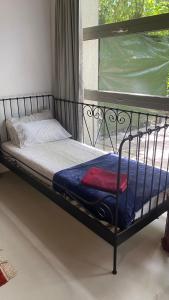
126, 132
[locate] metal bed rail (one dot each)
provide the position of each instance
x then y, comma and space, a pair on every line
155, 160
22, 106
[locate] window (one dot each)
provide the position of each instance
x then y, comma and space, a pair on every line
126, 52
126, 63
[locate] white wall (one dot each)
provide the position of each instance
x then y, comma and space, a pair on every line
90, 11
25, 47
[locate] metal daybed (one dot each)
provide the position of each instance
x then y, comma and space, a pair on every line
136, 139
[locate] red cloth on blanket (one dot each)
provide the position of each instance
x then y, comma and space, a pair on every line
104, 180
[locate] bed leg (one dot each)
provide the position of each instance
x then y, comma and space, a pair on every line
114, 272
165, 239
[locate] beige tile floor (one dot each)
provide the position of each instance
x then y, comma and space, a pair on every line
57, 258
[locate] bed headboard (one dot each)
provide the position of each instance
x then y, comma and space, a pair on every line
21, 106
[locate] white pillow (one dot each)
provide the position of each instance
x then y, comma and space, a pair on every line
40, 132
43, 115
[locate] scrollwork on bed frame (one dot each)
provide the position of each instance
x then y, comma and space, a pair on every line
103, 126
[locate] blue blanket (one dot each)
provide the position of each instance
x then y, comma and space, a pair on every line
130, 201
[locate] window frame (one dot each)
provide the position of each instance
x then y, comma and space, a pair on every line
144, 24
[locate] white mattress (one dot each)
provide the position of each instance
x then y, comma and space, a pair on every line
49, 158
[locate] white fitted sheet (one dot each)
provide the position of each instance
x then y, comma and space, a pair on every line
49, 158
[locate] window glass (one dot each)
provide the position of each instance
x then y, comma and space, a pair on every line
135, 63
132, 63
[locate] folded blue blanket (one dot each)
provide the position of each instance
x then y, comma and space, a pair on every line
139, 190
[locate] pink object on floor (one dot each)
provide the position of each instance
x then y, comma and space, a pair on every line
104, 180
7, 272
